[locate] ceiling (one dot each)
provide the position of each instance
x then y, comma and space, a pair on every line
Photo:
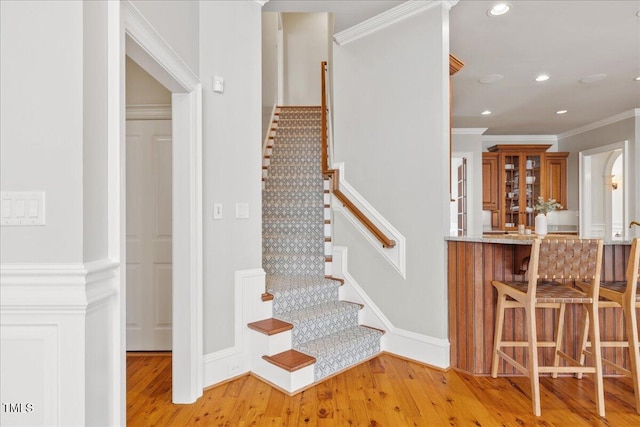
567, 40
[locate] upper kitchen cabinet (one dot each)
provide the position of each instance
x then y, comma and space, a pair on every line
556, 169
523, 173
490, 181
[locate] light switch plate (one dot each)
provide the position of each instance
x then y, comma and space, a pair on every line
242, 210
218, 84
22, 208
217, 211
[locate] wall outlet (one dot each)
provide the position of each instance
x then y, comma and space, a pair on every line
235, 365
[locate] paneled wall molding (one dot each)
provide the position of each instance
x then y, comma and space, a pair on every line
55, 288
149, 112
101, 281
392, 16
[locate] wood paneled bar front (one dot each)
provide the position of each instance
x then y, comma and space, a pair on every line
473, 263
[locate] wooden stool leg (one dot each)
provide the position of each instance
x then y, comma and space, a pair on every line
584, 339
497, 340
594, 332
559, 336
631, 321
534, 375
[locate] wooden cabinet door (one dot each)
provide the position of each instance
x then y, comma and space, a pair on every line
490, 181
556, 174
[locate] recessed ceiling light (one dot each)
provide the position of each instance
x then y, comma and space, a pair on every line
593, 78
486, 112
542, 78
499, 9
637, 79
561, 112
491, 78
638, 14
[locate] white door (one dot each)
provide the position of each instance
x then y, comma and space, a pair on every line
149, 213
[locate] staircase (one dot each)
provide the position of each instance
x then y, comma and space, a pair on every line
322, 333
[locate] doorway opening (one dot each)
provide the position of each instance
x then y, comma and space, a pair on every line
458, 209
603, 194
148, 212
130, 34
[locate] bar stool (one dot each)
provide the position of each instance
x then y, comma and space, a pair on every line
552, 263
621, 295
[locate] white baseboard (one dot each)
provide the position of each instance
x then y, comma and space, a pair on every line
223, 365
228, 363
419, 347
238, 360
411, 345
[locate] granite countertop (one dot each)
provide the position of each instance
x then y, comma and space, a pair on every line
518, 239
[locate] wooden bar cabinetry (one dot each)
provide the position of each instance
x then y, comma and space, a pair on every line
473, 264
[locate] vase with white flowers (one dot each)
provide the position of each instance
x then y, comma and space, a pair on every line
543, 208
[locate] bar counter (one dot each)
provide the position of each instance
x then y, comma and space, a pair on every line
473, 262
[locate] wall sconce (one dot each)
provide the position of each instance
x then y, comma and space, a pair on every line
615, 181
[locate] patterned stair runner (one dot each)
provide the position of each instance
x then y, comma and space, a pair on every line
293, 250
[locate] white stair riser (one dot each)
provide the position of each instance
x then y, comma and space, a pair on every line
269, 344
288, 381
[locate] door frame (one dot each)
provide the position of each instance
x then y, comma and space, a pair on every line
131, 34
585, 190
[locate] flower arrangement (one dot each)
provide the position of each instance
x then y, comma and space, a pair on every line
545, 207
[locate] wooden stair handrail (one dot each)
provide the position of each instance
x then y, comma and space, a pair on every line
334, 174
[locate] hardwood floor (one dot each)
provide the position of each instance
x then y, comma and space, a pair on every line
385, 391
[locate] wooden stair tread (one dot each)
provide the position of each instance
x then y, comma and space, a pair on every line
270, 326
267, 297
291, 360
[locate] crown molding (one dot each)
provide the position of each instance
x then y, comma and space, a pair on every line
468, 131
261, 2
607, 121
392, 16
149, 112
520, 138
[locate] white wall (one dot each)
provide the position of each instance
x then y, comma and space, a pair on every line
608, 134
177, 22
391, 128
142, 88
95, 131
464, 141
41, 112
269, 67
101, 332
58, 284
232, 157
305, 47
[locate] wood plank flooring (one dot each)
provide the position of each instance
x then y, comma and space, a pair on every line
385, 391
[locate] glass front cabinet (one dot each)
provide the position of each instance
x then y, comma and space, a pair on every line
522, 178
